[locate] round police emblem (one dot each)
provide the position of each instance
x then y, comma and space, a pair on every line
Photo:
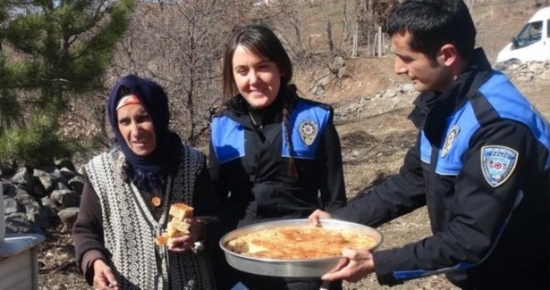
450, 140
308, 131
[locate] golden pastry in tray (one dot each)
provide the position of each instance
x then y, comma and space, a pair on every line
299, 242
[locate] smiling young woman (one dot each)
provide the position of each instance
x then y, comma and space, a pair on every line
273, 150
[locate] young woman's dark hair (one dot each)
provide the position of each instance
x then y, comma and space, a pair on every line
434, 23
261, 41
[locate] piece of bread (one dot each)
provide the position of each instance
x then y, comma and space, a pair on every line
180, 211
179, 226
162, 239
176, 227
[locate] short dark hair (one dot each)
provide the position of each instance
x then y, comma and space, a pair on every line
434, 23
261, 41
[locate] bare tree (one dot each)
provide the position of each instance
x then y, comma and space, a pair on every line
180, 44
345, 20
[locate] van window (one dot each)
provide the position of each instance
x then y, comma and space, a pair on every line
548, 28
531, 33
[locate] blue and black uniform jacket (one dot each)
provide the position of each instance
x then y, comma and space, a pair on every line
481, 165
250, 166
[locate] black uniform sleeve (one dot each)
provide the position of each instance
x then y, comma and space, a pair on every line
480, 211
88, 232
219, 186
223, 273
205, 201
400, 194
207, 206
333, 189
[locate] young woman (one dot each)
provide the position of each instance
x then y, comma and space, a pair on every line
128, 193
273, 155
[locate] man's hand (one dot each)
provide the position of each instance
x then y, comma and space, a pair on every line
186, 242
318, 214
104, 279
355, 265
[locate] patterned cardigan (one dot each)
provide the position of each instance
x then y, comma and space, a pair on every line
129, 226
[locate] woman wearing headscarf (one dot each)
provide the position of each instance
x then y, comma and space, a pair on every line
273, 155
127, 195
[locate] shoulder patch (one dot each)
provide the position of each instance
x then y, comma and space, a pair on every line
308, 131
498, 164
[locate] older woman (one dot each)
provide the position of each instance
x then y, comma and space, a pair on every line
127, 195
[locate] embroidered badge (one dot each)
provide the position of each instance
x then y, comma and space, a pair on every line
449, 140
498, 163
308, 131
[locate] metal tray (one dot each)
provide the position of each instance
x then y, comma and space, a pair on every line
290, 268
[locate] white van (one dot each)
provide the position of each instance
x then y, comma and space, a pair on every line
532, 43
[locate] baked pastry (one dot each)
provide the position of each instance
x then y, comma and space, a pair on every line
176, 227
180, 211
299, 242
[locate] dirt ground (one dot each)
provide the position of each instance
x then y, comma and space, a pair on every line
373, 148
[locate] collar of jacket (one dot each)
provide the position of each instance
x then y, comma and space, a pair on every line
439, 106
422, 105
237, 108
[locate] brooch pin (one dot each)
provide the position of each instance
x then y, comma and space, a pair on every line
156, 201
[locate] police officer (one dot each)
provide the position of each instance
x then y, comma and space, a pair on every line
480, 164
273, 154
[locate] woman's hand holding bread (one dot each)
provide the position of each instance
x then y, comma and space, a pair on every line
182, 231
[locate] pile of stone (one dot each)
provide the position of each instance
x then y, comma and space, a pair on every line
402, 95
527, 72
396, 97
38, 198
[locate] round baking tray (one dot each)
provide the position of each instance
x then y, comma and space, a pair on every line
290, 268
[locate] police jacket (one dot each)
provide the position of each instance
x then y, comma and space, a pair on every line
481, 165
250, 165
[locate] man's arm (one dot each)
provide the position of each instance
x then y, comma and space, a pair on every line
400, 194
480, 211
